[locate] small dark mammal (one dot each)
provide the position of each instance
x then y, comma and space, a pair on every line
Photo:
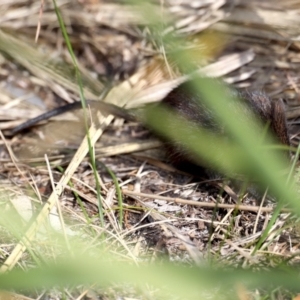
186, 101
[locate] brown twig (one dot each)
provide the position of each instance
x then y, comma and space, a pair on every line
205, 204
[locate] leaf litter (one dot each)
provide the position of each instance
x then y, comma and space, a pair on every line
113, 43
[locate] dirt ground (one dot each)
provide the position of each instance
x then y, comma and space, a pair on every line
251, 45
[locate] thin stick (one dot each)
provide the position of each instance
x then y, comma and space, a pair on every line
204, 204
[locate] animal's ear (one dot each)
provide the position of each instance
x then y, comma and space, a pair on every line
278, 122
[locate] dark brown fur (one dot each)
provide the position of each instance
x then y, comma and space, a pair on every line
186, 100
